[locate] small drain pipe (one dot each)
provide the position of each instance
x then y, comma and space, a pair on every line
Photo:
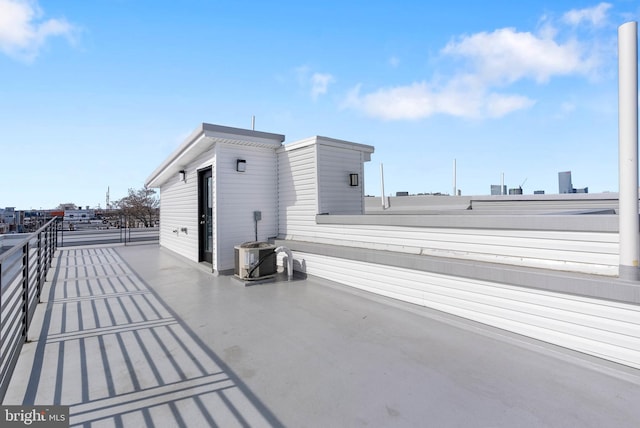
289, 261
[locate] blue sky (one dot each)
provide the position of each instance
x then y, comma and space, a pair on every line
96, 94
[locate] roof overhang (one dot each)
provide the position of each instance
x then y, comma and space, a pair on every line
204, 138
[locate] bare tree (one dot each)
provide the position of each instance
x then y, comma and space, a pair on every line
141, 205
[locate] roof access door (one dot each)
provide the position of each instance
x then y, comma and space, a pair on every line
205, 215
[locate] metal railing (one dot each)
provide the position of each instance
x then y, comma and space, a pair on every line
75, 234
23, 271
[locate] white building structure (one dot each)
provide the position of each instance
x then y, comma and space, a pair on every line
319, 176
224, 186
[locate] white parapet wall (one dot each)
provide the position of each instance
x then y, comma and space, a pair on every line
572, 243
599, 327
551, 277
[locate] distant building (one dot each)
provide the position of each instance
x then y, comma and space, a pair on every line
402, 193
4, 227
9, 219
564, 182
538, 192
565, 185
79, 215
495, 189
67, 206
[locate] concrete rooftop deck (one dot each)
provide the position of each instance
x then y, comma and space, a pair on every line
137, 336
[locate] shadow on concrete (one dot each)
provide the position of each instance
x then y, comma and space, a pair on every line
114, 352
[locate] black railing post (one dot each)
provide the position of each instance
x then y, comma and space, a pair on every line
47, 235
25, 288
1, 317
55, 246
53, 240
39, 269
2, 324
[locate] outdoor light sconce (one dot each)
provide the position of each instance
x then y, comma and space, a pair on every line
241, 165
183, 175
353, 180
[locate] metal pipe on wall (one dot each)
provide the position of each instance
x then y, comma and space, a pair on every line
454, 178
384, 204
629, 230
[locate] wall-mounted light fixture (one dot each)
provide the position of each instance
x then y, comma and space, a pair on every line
183, 175
353, 180
241, 165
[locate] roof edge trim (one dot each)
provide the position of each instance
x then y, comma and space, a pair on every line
195, 136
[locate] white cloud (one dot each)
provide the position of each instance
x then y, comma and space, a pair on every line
420, 100
565, 109
23, 33
596, 16
492, 61
320, 83
316, 83
405, 102
498, 105
506, 55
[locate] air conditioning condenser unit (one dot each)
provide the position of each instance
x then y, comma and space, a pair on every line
255, 260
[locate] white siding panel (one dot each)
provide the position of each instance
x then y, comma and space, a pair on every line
297, 190
335, 194
605, 329
179, 209
176, 212
586, 252
242, 193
